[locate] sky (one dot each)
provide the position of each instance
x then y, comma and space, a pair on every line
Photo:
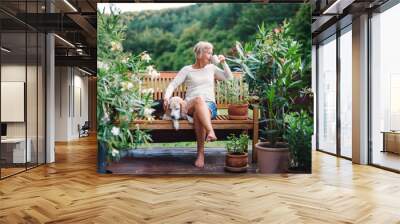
132, 7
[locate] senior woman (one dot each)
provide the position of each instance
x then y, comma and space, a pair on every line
200, 95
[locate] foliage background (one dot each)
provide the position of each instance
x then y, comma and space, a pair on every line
168, 35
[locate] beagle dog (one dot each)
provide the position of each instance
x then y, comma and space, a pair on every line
177, 109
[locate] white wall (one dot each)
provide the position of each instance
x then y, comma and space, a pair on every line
70, 83
61, 103
12, 73
33, 127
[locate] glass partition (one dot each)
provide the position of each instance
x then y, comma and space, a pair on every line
346, 92
13, 94
327, 95
31, 99
22, 78
385, 89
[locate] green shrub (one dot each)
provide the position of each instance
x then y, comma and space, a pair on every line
274, 70
299, 130
120, 96
237, 145
232, 92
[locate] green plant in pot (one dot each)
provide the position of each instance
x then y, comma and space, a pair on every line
120, 96
274, 71
298, 133
236, 94
236, 159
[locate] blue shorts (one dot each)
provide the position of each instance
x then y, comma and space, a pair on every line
213, 108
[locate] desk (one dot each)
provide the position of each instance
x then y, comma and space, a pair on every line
391, 141
16, 148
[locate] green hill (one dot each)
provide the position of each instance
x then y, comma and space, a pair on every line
168, 35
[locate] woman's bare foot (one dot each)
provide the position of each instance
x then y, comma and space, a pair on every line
199, 161
211, 136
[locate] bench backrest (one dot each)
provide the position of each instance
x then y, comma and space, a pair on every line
160, 84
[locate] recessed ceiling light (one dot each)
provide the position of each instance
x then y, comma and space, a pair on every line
337, 7
86, 72
70, 5
5, 50
64, 40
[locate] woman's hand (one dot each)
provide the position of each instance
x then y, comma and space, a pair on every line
221, 58
165, 104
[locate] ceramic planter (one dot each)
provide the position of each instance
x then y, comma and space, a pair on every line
272, 159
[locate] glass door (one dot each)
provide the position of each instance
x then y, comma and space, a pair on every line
327, 95
346, 92
385, 89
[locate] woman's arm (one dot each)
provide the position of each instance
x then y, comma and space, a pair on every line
179, 79
223, 74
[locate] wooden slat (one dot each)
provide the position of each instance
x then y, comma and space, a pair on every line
224, 120
161, 83
217, 125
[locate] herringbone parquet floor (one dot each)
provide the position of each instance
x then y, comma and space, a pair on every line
70, 191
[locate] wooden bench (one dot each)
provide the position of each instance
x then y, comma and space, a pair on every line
163, 131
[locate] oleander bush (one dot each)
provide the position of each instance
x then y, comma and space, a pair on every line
120, 96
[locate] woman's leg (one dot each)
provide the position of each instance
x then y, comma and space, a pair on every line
194, 108
200, 136
198, 107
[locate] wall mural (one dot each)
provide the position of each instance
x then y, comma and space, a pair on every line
204, 88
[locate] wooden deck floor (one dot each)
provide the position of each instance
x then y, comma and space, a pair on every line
70, 191
174, 161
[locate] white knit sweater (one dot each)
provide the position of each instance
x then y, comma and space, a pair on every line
199, 82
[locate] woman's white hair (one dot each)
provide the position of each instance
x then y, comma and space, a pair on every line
200, 47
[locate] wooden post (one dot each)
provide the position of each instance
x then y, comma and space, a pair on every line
255, 132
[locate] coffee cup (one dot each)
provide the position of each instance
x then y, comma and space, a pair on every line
215, 60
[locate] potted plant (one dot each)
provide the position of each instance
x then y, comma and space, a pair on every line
274, 71
299, 129
236, 96
304, 101
236, 159
119, 96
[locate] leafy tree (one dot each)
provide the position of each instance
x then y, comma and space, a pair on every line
301, 31
173, 32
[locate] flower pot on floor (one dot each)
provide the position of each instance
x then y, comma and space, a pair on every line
238, 111
236, 162
272, 159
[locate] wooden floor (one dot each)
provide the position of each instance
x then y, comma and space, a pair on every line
386, 159
70, 191
160, 161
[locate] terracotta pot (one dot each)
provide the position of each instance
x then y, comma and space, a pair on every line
238, 111
233, 160
272, 159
